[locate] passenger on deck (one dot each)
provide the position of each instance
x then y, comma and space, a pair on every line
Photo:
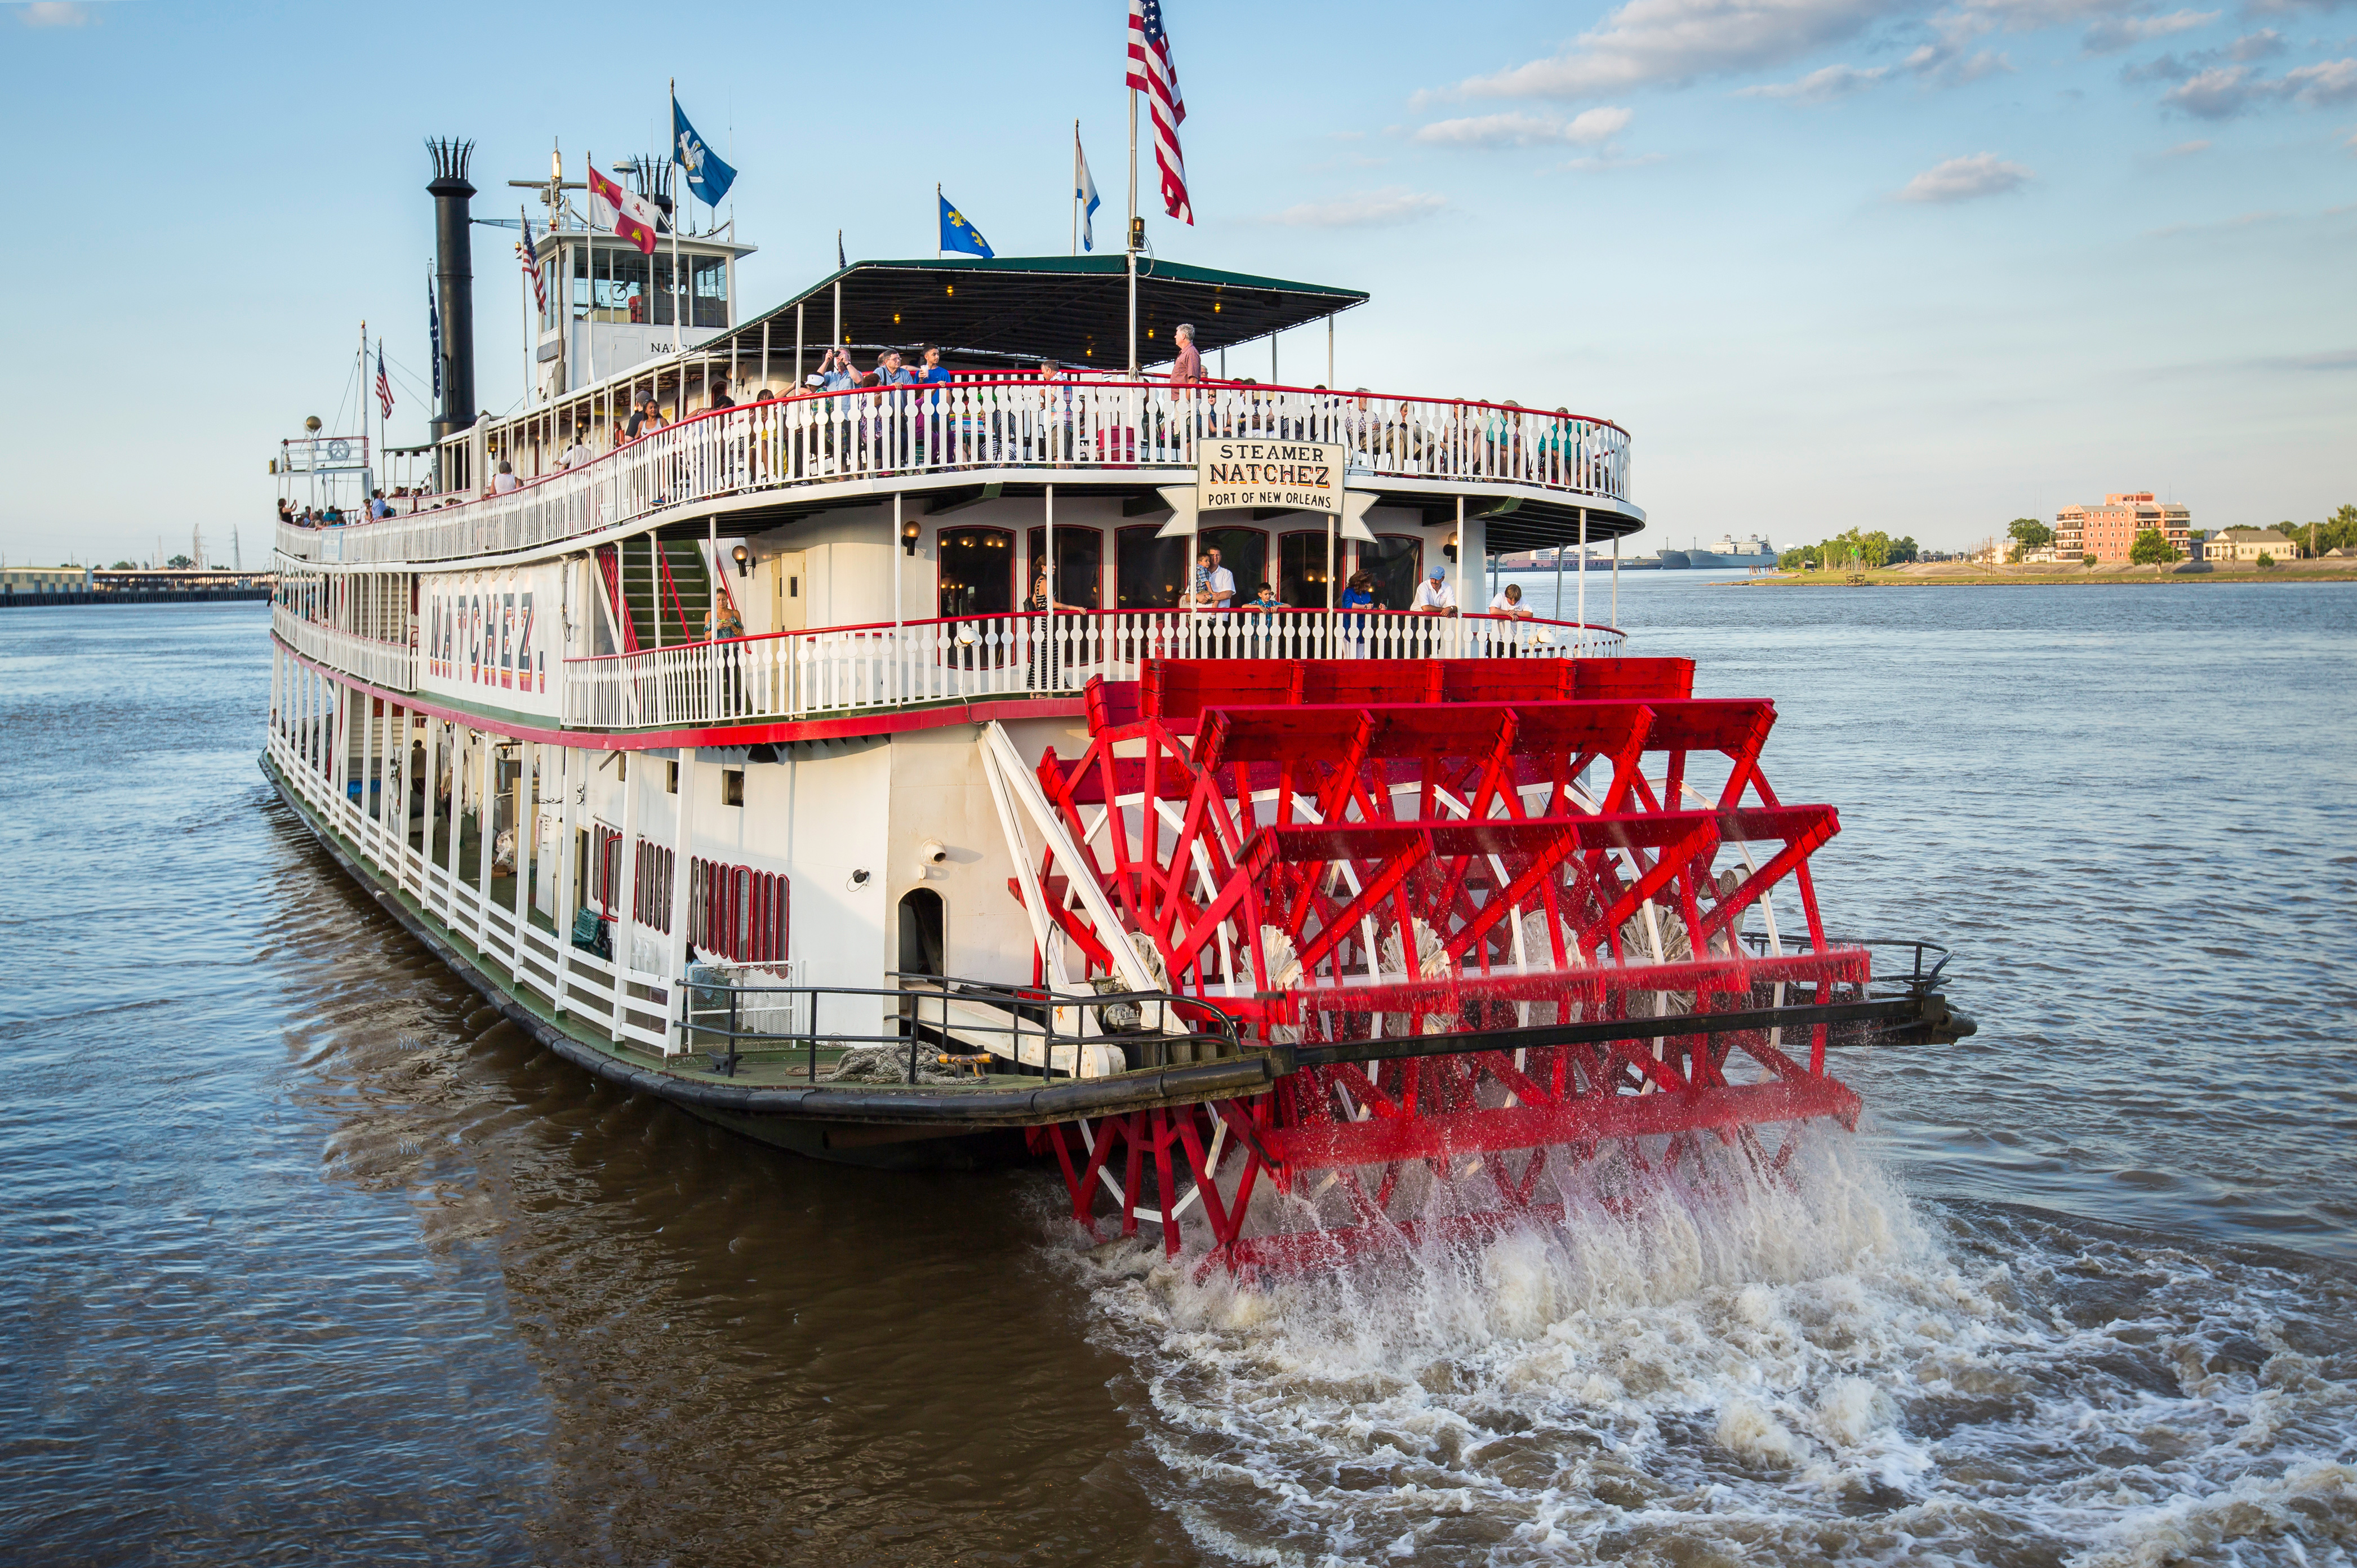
285, 511
934, 372
891, 372
504, 480
1188, 368
378, 506
1433, 596
1266, 599
1509, 603
722, 625
1218, 583
837, 373
578, 453
646, 418
720, 398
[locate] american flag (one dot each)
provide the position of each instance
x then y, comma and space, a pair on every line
383, 387
1152, 74
526, 253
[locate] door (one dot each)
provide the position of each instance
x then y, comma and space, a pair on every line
790, 609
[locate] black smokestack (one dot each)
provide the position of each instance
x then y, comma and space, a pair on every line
453, 283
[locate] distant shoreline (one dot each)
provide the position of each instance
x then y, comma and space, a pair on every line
2305, 572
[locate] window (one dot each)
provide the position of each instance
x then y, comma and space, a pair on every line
606, 870
708, 278
1244, 553
671, 777
1394, 561
1301, 569
651, 895
977, 566
732, 786
737, 912
1080, 565
1149, 573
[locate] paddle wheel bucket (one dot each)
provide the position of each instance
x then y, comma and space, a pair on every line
1480, 915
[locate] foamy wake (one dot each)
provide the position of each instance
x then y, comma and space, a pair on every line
1771, 1371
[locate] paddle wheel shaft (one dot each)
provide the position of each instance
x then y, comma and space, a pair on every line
1480, 915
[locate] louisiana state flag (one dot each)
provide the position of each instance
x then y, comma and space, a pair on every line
957, 234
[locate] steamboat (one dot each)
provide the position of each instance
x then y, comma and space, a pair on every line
874, 772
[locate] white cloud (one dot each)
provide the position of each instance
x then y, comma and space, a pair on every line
1602, 162
1367, 210
1818, 86
1521, 129
1671, 42
1963, 179
2219, 93
2225, 91
52, 13
2114, 34
2331, 81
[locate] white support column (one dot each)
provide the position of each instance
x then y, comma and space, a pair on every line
457, 822
432, 776
561, 905
366, 838
683, 847
339, 731
486, 812
625, 924
1616, 581
527, 832
1580, 641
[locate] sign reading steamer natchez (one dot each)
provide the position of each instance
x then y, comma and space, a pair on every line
1305, 476
490, 636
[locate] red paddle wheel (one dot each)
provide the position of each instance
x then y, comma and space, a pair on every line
1481, 915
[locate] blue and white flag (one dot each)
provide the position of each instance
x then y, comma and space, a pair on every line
1085, 192
707, 176
957, 234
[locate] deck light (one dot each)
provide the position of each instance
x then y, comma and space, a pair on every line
740, 555
908, 533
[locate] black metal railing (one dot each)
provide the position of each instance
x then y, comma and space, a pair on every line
1134, 1022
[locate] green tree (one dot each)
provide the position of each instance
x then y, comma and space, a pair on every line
2151, 548
2338, 532
2088, 559
179, 563
1903, 550
2032, 533
125, 566
1874, 549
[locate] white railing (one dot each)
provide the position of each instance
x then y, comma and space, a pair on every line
389, 665
808, 674
575, 982
990, 424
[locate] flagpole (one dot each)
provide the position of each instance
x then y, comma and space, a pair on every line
1076, 187
937, 221
679, 299
524, 297
1129, 239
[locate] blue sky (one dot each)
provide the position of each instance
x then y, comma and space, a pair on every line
1918, 265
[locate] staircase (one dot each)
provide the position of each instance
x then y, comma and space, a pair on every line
648, 593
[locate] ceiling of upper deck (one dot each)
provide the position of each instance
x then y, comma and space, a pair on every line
1020, 309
